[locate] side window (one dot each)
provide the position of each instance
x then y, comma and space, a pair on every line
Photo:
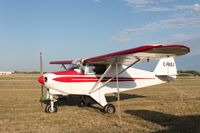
100, 69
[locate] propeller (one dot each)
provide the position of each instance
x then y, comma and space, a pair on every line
41, 78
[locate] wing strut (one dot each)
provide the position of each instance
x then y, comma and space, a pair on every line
117, 74
64, 66
118, 96
104, 74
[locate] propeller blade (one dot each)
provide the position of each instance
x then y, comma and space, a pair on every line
41, 73
41, 64
42, 93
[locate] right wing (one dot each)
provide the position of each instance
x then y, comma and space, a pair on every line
140, 54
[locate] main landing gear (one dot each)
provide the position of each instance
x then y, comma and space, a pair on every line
52, 107
85, 101
109, 108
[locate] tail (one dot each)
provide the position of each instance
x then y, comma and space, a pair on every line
166, 68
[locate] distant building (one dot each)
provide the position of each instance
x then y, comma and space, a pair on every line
5, 73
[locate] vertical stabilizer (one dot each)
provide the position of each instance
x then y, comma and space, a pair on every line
166, 67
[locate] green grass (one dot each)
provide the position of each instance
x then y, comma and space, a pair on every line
153, 109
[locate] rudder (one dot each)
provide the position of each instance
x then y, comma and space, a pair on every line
166, 67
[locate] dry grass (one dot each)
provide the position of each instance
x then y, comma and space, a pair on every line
154, 109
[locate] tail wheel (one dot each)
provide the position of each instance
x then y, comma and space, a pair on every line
49, 110
109, 108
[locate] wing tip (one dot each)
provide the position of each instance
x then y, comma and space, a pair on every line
172, 45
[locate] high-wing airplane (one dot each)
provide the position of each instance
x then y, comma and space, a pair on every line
111, 73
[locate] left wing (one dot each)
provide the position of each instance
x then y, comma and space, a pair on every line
62, 62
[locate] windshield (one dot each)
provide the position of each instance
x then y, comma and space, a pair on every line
72, 67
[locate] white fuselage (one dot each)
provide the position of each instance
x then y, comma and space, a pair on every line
81, 84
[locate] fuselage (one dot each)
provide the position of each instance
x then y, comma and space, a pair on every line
78, 83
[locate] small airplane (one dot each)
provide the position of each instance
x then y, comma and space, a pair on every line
110, 73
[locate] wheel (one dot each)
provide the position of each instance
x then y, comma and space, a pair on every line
109, 108
83, 104
89, 104
48, 108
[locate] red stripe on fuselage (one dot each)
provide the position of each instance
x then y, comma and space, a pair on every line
95, 79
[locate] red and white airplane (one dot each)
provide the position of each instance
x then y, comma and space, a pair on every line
111, 73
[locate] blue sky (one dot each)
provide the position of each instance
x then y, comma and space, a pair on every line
71, 29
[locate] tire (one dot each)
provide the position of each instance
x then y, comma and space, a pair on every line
109, 108
48, 108
89, 104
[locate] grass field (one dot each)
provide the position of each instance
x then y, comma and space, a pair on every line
157, 109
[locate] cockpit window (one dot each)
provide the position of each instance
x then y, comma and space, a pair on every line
89, 69
95, 69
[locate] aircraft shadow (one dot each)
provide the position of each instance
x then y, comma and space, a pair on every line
123, 96
173, 123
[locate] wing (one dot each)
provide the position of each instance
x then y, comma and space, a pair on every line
62, 62
143, 53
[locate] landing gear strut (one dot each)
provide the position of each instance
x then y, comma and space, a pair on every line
85, 101
51, 107
109, 108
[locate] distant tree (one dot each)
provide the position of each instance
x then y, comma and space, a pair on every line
24, 72
188, 73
